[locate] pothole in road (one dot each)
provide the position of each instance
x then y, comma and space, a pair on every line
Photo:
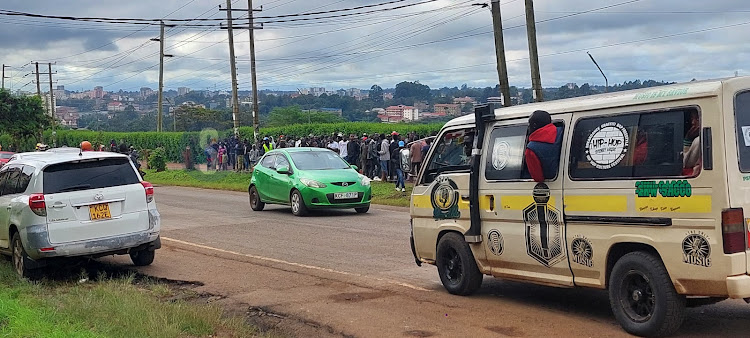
509, 331
419, 333
354, 297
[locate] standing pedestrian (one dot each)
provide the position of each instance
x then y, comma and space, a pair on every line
399, 165
352, 150
415, 153
384, 156
343, 150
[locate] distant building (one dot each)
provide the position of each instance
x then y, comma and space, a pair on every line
447, 108
421, 105
496, 100
115, 106
400, 113
317, 91
60, 93
68, 116
571, 85
183, 91
146, 92
464, 100
97, 93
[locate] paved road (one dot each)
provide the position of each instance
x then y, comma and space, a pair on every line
348, 274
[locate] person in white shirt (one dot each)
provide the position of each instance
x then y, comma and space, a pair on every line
333, 145
343, 152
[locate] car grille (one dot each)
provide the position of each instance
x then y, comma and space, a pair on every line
350, 200
344, 184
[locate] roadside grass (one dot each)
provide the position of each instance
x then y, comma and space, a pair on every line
108, 307
382, 192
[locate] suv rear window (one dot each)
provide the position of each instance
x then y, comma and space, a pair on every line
76, 176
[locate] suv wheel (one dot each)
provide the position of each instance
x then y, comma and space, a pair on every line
142, 257
643, 298
456, 265
255, 203
21, 259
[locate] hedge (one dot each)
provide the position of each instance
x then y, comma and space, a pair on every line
174, 143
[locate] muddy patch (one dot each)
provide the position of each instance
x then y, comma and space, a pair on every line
418, 333
509, 331
355, 297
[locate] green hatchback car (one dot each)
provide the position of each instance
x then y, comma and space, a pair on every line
308, 178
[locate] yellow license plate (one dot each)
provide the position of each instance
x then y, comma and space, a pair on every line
99, 211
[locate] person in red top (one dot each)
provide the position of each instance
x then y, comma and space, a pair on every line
542, 153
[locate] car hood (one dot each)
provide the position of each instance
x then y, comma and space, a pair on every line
332, 175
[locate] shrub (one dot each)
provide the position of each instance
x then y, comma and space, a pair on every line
158, 160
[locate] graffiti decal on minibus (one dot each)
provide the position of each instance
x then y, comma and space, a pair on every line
696, 250
582, 251
445, 199
495, 242
679, 188
661, 93
607, 145
544, 239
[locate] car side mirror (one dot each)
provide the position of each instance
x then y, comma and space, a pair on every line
283, 169
354, 167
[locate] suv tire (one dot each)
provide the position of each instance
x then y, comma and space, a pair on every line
255, 203
456, 265
20, 259
142, 257
643, 298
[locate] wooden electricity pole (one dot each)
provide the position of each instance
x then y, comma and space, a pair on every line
4, 77
160, 108
38, 86
233, 64
536, 78
251, 29
502, 67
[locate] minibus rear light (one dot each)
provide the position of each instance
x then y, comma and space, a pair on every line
733, 230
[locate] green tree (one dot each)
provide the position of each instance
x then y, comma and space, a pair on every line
408, 92
196, 119
376, 95
294, 115
22, 116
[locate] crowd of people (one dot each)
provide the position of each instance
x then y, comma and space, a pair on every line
381, 157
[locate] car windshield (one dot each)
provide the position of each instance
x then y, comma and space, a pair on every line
317, 160
5, 156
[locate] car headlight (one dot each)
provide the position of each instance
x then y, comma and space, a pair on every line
364, 180
312, 183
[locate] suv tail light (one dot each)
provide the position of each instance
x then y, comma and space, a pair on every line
37, 205
149, 191
733, 230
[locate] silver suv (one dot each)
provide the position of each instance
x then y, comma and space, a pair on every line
68, 203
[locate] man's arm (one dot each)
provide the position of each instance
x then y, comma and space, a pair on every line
534, 166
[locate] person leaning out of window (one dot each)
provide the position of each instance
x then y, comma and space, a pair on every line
691, 153
543, 149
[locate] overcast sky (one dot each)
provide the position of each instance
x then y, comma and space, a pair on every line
440, 43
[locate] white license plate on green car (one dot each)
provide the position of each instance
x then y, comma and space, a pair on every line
344, 195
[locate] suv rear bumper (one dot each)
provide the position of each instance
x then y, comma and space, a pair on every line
36, 238
738, 286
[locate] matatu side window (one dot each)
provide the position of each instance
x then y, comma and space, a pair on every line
452, 154
505, 153
742, 118
637, 145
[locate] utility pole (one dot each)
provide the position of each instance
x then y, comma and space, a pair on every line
232, 62
4, 66
160, 108
251, 29
606, 82
536, 78
52, 107
38, 88
502, 67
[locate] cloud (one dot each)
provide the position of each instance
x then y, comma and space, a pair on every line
444, 43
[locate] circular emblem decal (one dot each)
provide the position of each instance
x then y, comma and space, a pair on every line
445, 199
582, 252
500, 155
607, 145
495, 242
696, 250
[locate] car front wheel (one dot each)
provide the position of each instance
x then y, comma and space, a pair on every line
456, 265
298, 204
362, 210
